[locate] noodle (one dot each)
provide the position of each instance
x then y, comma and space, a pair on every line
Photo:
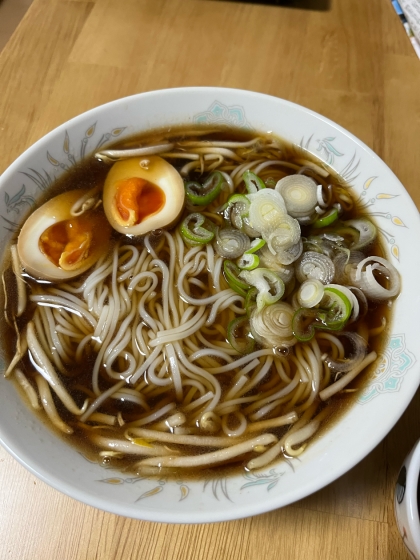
155, 344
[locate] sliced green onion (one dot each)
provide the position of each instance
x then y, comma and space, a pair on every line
268, 283
315, 265
201, 195
266, 210
333, 314
256, 245
236, 209
253, 183
231, 271
236, 199
273, 262
327, 219
290, 255
310, 293
367, 232
192, 231
248, 261
304, 323
338, 307
349, 235
272, 326
299, 193
285, 235
231, 243
364, 276
251, 300
351, 297
239, 335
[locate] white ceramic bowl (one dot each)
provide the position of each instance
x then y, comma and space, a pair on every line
349, 440
406, 503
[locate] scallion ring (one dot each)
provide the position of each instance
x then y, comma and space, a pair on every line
299, 193
326, 219
269, 285
272, 326
315, 265
231, 243
192, 231
231, 272
239, 335
201, 195
310, 293
248, 261
338, 307
252, 182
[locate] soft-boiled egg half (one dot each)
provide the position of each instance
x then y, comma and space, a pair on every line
54, 245
142, 194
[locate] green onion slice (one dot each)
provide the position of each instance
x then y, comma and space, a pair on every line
367, 232
201, 195
304, 323
327, 219
248, 261
268, 283
256, 245
192, 231
310, 293
253, 183
338, 307
299, 193
236, 209
239, 335
231, 271
251, 300
333, 314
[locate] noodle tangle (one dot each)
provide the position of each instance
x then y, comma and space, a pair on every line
162, 354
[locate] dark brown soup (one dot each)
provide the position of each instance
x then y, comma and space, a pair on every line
211, 343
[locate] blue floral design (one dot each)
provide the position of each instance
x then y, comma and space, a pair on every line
258, 479
326, 147
218, 113
42, 179
393, 364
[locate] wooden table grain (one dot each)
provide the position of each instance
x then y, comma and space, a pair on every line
352, 63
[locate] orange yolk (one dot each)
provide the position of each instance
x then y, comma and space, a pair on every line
68, 243
136, 199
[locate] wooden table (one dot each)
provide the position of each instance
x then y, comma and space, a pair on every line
354, 64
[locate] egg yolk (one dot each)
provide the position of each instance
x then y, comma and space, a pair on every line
68, 243
136, 199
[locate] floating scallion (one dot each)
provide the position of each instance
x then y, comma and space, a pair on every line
338, 307
248, 261
310, 293
231, 272
272, 326
192, 231
269, 285
326, 219
201, 195
252, 182
299, 193
231, 243
239, 335
367, 232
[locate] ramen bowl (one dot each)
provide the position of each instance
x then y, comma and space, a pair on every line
378, 405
